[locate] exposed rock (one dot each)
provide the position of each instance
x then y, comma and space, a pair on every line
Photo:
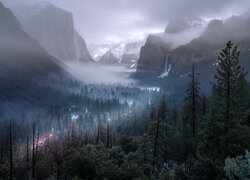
24, 62
153, 54
108, 58
131, 53
54, 29
178, 25
82, 52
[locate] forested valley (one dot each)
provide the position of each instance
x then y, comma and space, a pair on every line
125, 90
81, 135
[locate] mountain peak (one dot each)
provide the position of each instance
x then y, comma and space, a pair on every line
181, 24
54, 29
43, 4
108, 58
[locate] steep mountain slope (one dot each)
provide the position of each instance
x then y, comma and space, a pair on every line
181, 24
126, 53
23, 61
152, 55
54, 29
178, 32
202, 51
108, 58
131, 52
82, 52
208, 45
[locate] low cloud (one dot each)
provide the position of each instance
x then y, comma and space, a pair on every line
100, 74
116, 20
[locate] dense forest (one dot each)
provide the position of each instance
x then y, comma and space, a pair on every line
93, 137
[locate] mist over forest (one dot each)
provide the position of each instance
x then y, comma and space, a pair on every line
124, 90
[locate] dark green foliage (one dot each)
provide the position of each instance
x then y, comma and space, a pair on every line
99, 162
191, 119
159, 131
4, 172
225, 134
127, 144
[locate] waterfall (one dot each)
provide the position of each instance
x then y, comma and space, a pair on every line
166, 64
167, 69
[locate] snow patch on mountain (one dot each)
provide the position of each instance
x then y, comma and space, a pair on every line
120, 53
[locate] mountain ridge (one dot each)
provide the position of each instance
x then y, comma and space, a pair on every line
54, 28
24, 63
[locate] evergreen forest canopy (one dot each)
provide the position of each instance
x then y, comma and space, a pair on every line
71, 135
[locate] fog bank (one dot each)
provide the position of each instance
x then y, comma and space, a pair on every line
100, 74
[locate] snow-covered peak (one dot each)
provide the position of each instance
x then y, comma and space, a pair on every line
108, 58
118, 50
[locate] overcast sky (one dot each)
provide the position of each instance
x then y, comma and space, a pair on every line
116, 20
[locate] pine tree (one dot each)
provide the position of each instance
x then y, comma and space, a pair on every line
192, 103
98, 131
175, 119
159, 130
190, 117
226, 92
108, 137
224, 134
204, 105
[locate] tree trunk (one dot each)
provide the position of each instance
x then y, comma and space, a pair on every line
27, 149
156, 139
193, 102
98, 132
108, 136
37, 141
33, 151
2, 149
11, 158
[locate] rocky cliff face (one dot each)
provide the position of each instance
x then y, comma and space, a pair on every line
82, 53
108, 58
205, 48
209, 44
181, 24
157, 47
54, 29
131, 53
156, 55
153, 54
23, 61
125, 53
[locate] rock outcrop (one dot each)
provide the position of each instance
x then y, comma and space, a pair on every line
108, 58
204, 48
202, 51
54, 29
23, 61
181, 24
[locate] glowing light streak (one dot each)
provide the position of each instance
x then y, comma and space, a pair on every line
42, 140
